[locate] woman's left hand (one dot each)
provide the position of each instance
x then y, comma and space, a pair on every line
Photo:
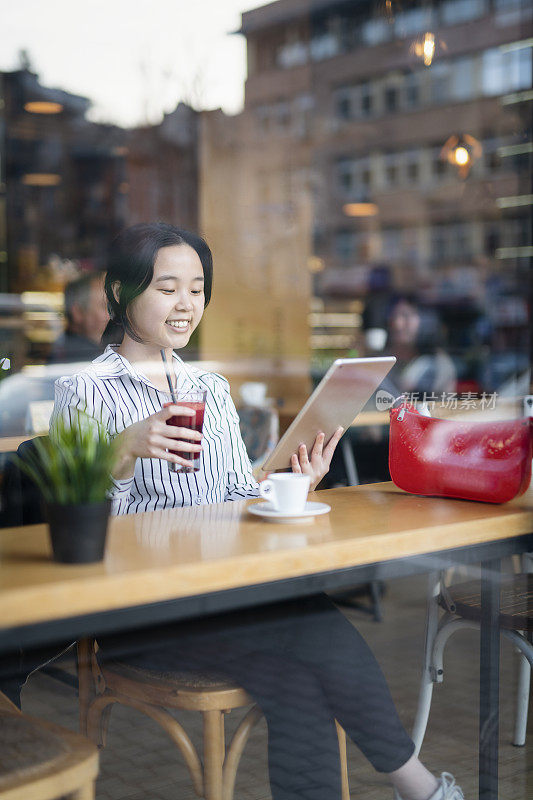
317, 464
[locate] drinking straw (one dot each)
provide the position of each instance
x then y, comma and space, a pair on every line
169, 379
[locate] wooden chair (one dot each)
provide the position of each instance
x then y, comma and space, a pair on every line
41, 761
462, 605
213, 777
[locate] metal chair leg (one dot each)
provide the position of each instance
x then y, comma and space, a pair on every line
522, 702
426, 685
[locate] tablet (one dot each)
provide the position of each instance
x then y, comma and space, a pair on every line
341, 394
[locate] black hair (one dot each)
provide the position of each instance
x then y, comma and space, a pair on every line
78, 291
131, 269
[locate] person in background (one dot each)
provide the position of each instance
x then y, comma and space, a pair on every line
87, 316
377, 308
415, 337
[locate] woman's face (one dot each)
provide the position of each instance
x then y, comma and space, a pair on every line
404, 323
171, 307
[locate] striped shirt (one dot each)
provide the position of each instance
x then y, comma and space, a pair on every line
113, 392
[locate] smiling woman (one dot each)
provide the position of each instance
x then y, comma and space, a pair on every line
291, 657
158, 284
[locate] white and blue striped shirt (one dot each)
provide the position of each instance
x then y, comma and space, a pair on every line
111, 391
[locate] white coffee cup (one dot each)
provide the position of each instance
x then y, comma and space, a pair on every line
286, 491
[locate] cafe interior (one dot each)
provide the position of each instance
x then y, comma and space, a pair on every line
268, 613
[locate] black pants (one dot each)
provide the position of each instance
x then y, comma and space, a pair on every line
305, 665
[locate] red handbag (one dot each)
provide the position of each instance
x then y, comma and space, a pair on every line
487, 461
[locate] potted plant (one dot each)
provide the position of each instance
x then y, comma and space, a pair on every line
72, 469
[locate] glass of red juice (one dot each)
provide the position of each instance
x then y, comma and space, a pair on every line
194, 400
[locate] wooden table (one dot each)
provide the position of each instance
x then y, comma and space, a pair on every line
182, 563
9, 444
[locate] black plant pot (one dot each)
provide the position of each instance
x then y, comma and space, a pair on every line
78, 531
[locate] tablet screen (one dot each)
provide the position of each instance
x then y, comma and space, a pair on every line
341, 394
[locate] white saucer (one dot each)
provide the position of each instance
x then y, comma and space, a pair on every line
267, 511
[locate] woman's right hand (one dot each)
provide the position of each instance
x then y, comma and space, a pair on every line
153, 438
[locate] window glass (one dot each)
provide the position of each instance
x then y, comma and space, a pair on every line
391, 98
440, 79
392, 172
345, 177
366, 99
455, 11
293, 54
302, 114
412, 166
375, 31
390, 244
346, 244
511, 12
323, 46
343, 105
519, 64
462, 79
413, 21
411, 89
493, 77
506, 70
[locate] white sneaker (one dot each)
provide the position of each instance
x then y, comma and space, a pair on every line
448, 789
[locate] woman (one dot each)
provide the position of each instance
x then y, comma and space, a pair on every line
302, 660
415, 337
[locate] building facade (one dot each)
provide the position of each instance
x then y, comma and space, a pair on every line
405, 131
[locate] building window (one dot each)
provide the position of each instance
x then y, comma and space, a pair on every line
343, 105
413, 21
520, 163
456, 11
366, 99
411, 90
491, 157
391, 169
354, 179
391, 98
345, 245
452, 243
519, 72
492, 238
325, 45
440, 165
440, 83
506, 71
439, 245
493, 69
283, 115
390, 244
516, 232
461, 245
462, 79
391, 174
412, 166
511, 12
262, 114
292, 55
302, 117
375, 31
345, 177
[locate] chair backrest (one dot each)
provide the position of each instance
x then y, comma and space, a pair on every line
21, 499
